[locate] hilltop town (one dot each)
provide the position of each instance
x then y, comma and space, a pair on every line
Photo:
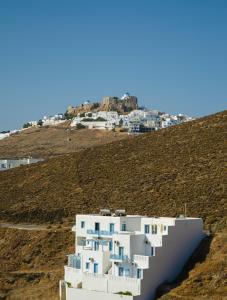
111, 113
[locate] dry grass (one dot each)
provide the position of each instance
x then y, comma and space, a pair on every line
153, 174
48, 142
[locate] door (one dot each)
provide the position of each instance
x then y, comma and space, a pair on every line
111, 227
97, 226
95, 268
127, 273
110, 246
96, 246
138, 273
121, 251
120, 271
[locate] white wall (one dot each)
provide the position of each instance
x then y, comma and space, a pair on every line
80, 294
171, 257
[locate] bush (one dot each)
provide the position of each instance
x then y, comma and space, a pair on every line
127, 293
88, 120
27, 125
80, 126
68, 116
40, 123
100, 119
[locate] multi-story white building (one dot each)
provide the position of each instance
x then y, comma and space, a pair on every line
123, 256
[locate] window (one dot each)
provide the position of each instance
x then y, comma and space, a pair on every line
146, 228
97, 226
96, 268
164, 228
120, 271
152, 251
111, 227
123, 227
139, 273
87, 265
82, 224
154, 229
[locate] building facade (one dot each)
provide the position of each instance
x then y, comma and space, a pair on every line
119, 256
6, 164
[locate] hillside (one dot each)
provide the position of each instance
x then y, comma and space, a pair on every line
53, 141
153, 174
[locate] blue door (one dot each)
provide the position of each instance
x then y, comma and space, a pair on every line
111, 245
96, 246
97, 226
138, 273
111, 227
120, 271
121, 251
95, 268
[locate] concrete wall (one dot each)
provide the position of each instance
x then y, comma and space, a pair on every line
79, 294
73, 276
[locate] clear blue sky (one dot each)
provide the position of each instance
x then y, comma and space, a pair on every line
172, 54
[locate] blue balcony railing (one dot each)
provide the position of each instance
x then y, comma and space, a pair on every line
100, 232
74, 261
119, 257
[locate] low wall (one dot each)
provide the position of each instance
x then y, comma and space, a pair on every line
74, 294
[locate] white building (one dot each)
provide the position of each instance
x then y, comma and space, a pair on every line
53, 120
6, 164
118, 255
4, 135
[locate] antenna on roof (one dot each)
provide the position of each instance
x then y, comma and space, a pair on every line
185, 210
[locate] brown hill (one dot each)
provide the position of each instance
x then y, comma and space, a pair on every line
54, 141
153, 174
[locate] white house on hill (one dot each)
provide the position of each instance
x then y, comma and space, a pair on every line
126, 257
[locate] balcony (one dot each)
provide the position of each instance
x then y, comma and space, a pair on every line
100, 232
119, 257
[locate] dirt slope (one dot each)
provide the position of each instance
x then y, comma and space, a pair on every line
153, 174
53, 141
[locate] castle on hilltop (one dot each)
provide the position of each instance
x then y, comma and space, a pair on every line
122, 105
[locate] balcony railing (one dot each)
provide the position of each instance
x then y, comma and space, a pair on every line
100, 232
74, 261
119, 257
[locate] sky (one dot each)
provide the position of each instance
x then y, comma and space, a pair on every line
171, 54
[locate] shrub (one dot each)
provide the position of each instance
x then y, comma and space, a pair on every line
26, 125
127, 293
68, 116
40, 123
80, 126
100, 119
